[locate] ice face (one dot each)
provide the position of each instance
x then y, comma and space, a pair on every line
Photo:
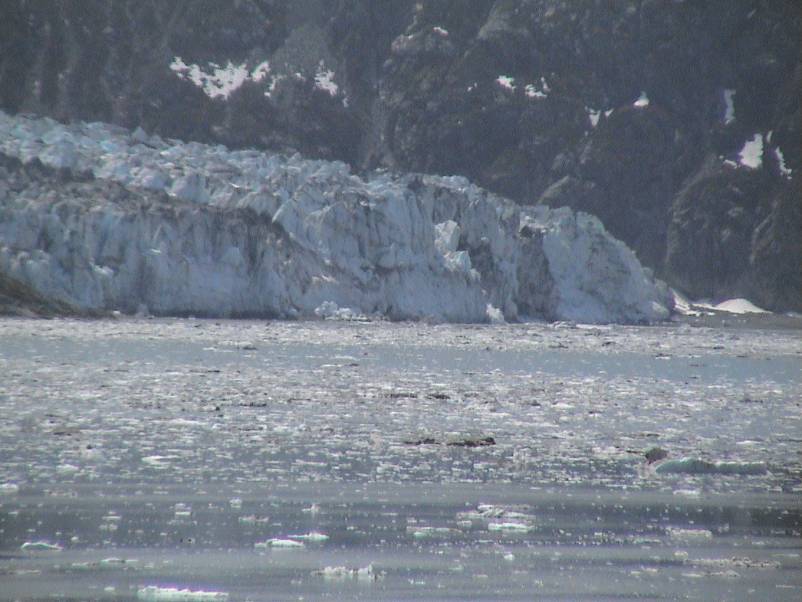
219, 232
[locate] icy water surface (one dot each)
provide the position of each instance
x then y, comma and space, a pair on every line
331, 460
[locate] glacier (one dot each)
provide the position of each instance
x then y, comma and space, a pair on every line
184, 228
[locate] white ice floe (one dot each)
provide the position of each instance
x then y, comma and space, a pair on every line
690, 465
506, 82
253, 233
751, 154
642, 102
286, 544
538, 91
9, 488
689, 534
342, 573
312, 537
154, 593
509, 527
784, 170
40, 546
729, 106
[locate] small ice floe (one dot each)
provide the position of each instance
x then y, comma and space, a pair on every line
506, 82
499, 518
342, 573
156, 461
735, 562
690, 465
689, 534
285, 544
509, 527
40, 546
535, 91
252, 519
751, 154
311, 537
642, 102
154, 593
182, 510
314, 509
9, 488
729, 106
784, 170
431, 532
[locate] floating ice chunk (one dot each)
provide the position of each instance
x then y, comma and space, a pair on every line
312, 537
40, 546
341, 573
642, 102
690, 465
154, 593
689, 534
534, 91
509, 527
9, 488
431, 532
729, 106
751, 154
156, 461
784, 170
506, 82
287, 544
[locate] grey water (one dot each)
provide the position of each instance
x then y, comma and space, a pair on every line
143, 457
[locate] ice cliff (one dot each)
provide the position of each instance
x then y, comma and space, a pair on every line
188, 228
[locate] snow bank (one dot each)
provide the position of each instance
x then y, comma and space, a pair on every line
225, 233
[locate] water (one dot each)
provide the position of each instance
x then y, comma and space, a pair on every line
168, 453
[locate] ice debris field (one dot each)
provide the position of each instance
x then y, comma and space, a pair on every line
203, 230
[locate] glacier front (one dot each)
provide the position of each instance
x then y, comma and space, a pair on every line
103, 218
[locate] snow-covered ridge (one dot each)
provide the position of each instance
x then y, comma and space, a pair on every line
253, 233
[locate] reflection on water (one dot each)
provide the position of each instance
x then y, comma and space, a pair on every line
280, 461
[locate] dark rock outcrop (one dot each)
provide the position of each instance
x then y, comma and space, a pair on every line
629, 110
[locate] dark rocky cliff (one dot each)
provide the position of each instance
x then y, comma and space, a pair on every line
635, 110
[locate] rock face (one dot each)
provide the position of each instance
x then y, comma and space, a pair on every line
100, 218
645, 113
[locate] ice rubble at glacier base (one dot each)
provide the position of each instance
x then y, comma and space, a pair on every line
248, 233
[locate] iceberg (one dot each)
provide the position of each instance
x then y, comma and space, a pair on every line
92, 217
